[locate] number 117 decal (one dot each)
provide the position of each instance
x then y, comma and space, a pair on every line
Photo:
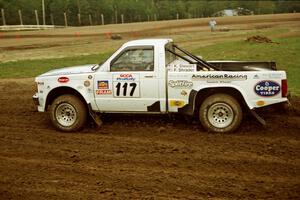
126, 89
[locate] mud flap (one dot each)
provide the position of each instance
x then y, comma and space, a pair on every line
95, 117
259, 118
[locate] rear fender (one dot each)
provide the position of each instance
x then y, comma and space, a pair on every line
197, 97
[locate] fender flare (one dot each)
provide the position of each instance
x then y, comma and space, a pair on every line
197, 97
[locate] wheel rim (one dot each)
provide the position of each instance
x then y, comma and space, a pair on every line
220, 115
66, 114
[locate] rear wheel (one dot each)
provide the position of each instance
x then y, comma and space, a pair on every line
68, 113
220, 113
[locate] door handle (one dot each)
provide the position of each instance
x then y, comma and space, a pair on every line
149, 76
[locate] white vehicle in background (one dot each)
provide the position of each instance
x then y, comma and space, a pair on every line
156, 76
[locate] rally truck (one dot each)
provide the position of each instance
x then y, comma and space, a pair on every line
155, 76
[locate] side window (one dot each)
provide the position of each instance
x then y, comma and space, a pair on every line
134, 59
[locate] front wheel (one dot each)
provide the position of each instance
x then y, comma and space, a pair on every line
220, 113
68, 113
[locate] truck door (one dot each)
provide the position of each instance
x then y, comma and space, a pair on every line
131, 85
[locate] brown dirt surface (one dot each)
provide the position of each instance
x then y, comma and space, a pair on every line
143, 157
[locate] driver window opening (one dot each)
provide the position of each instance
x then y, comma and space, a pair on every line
135, 59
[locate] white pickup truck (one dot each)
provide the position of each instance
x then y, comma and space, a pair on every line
156, 76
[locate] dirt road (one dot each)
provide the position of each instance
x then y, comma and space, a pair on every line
190, 33
142, 157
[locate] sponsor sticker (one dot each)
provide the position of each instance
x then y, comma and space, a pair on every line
267, 88
176, 103
260, 103
183, 93
275, 75
125, 77
180, 84
86, 83
103, 92
227, 77
63, 79
126, 85
103, 85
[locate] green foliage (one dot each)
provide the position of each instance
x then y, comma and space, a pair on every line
285, 54
133, 10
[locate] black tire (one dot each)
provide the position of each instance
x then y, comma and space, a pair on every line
220, 113
68, 113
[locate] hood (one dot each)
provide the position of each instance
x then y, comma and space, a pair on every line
82, 69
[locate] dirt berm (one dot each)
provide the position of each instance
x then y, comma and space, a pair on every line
143, 157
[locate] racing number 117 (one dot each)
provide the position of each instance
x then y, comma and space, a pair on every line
124, 87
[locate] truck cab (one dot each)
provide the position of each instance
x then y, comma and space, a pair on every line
133, 79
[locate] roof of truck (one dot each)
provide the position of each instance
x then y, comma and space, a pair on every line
148, 42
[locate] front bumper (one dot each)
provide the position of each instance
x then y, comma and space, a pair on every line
35, 99
37, 102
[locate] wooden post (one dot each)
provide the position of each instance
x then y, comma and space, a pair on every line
66, 20
90, 19
79, 19
102, 19
20, 16
44, 15
3, 17
116, 16
37, 17
148, 18
155, 17
122, 18
177, 16
52, 19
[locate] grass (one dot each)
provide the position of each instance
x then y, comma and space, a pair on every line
32, 68
285, 54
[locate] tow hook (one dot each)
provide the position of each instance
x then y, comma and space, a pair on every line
259, 118
94, 116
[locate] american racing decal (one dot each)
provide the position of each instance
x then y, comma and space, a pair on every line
180, 84
103, 85
126, 85
267, 88
228, 77
102, 92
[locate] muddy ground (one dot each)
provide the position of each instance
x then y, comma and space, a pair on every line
143, 157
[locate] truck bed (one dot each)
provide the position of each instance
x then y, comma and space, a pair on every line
244, 65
